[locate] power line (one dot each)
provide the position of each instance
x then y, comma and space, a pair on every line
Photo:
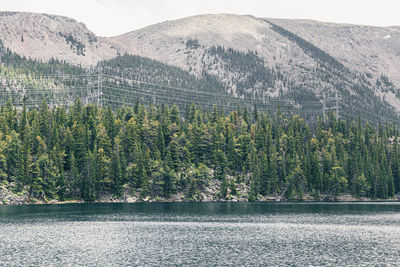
100, 79
376, 115
211, 93
335, 107
207, 102
200, 95
97, 84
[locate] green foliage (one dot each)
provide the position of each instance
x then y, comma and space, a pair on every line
76, 46
88, 152
151, 71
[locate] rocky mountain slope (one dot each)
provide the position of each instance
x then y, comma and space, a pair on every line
300, 62
304, 59
42, 36
362, 48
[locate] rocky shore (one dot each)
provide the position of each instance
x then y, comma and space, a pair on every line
8, 197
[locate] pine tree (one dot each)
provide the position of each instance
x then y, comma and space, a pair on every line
35, 181
116, 175
88, 152
224, 188
169, 181
3, 161
74, 179
314, 172
44, 121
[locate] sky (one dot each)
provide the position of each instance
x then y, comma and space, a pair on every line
114, 17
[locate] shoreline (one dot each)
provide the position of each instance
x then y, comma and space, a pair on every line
209, 195
66, 202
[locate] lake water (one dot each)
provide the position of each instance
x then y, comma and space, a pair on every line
207, 234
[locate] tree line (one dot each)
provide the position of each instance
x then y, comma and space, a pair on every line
88, 152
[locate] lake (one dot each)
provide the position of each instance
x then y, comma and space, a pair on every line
207, 234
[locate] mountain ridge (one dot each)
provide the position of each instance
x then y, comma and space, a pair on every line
43, 37
253, 58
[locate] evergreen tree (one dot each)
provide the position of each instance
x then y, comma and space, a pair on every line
90, 153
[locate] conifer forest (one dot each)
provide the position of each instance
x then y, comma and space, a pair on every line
86, 152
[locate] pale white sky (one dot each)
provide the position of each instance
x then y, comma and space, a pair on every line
113, 17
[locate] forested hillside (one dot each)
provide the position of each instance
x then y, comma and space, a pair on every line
230, 78
151, 71
91, 153
127, 79
122, 80
31, 81
283, 60
226, 77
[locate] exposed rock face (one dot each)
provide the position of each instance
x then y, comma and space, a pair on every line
7, 196
302, 60
362, 48
166, 41
42, 36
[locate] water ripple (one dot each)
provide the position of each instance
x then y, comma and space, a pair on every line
252, 235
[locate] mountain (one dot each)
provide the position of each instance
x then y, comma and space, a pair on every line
43, 36
361, 48
303, 66
371, 50
267, 59
123, 80
29, 81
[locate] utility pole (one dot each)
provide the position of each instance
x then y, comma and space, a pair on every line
336, 107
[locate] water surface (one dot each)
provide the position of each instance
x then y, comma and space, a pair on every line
208, 234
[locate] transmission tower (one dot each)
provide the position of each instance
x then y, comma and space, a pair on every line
335, 107
100, 86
